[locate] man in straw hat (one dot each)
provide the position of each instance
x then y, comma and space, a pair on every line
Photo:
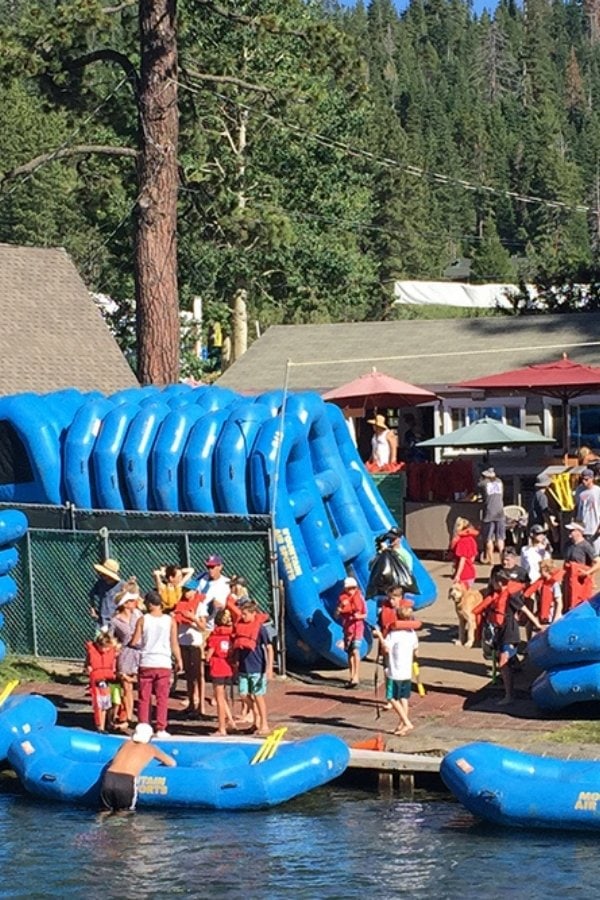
384, 446
103, 595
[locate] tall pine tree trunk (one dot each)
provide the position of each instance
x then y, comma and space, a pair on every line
157, 316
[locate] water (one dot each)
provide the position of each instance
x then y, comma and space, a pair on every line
330, 844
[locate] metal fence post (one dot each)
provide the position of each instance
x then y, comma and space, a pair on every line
31, 583
277, 610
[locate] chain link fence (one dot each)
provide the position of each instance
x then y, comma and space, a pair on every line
50, 617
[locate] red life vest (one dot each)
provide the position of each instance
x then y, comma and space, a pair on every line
102, 663
245, 636
544, 588
579, 586
497, 604
187, 605
388, 622
220, 641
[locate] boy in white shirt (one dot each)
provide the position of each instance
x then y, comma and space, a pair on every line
400, 647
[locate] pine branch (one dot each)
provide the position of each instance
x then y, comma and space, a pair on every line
37, 162
229, 79
267, 23
106, 55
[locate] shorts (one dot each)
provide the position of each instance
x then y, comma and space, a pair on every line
351, 646
397, 690
509, 649
118, 791
115, 693
491, 531
222, 679
254, 684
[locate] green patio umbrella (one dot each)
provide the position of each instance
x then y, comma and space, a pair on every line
485, 434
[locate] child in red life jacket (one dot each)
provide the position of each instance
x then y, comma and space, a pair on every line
220, 659
463, 550
548, 591
352, 610
101, 666
254, 655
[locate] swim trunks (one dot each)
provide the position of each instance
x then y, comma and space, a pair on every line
254, 684
118, 791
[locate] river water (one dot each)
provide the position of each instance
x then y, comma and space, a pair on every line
332, 843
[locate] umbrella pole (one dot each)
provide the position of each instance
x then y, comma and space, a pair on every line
565, 434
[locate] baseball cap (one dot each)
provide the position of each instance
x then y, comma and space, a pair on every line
489, 473
214, 560
350, 582
142, 733
536, 529
587, 473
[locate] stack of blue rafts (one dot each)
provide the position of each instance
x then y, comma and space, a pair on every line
209, 450
569, 652
66, 764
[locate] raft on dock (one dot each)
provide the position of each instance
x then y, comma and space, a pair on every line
509, 787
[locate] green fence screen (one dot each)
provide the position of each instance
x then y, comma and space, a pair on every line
50, 617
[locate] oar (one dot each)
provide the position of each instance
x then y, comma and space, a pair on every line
269, 746
417, 673
7, 690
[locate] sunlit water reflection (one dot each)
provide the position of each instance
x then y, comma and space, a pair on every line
331, 844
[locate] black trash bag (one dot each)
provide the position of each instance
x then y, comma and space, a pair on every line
388, 571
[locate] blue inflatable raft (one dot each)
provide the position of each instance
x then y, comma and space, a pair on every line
508, 787
574, 638
20, 714
66, 765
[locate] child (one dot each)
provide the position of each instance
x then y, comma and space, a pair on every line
548, 591
352, 610
219, 656
190, 616
463, 548
254, 654
101, 665
400, 647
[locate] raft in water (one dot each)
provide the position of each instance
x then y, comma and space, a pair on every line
509, 787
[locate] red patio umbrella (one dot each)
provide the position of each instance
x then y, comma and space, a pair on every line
562, 379
375, 389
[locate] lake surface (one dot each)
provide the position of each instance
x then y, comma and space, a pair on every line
333, 843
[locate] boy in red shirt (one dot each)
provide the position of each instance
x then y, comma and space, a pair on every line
352, 610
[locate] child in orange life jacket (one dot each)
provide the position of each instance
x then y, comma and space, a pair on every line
254, 655
389, 621
219, 656
504, 604
352, 610
548, 592
400, 647
101, 666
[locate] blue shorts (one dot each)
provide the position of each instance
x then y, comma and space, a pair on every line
254, 684
397, 690
351, 646
509, 649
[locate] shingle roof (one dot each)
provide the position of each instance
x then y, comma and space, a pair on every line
52, 334
429, 352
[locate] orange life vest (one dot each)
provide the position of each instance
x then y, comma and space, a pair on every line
544, 588
102, 663
186, 606
220, 641
245, 636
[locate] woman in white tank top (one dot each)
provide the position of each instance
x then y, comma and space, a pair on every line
156, 636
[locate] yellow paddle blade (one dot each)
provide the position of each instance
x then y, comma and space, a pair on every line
269, 746
8, 689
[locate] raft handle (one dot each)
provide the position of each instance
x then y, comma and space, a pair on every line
48, 778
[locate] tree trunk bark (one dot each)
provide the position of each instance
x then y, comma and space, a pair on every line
157, 301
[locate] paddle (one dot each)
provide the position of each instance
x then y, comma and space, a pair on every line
8, 689
417, 673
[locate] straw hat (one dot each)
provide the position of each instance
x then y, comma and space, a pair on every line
378, 422
110, 568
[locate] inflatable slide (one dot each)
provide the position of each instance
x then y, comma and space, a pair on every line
13, 525
209, 450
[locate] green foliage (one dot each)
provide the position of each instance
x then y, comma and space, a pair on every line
338, 150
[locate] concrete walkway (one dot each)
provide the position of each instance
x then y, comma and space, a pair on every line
460, 705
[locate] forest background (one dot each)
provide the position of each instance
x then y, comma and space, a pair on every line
325, 152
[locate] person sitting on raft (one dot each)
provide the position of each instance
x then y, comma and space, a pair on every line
352, 610
118, 790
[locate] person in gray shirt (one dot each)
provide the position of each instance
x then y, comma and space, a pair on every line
493, 532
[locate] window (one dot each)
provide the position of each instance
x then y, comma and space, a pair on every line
459, 413
584, 424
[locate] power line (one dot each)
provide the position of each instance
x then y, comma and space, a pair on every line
391, 163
